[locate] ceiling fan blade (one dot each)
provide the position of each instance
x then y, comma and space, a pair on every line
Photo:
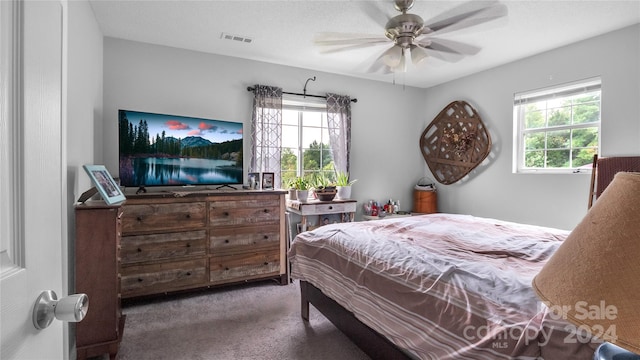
339, 39
448, 46
336, 49
467, 19
378, 66
337, 42
373, 11
445, 56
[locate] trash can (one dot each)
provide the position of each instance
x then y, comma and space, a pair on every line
425, 198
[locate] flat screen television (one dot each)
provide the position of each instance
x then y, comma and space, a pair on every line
168, 150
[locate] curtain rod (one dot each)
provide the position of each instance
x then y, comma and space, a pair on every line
250, 88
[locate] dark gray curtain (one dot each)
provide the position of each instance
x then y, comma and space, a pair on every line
339, 121
266, 131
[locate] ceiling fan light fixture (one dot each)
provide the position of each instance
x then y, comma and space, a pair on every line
418, 55
401, 67
392, 57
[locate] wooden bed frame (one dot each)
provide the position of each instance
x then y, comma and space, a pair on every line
368, 340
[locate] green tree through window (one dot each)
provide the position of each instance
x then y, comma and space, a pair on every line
556, 131
306, 151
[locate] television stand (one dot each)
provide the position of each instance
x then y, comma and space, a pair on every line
225, 185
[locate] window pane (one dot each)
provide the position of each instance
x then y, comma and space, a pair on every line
534, 141
534, 117
586, 109
558, 158
584, 137
290, 136
312, 119
317, 157
559, 116
311, 135
558, 139
582, 157
534, 159
289, 117
289, 159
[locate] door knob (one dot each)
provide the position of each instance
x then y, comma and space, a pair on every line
72, 308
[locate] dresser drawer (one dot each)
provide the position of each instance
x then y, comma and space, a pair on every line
244, 212
161, 217
247, 238
157, 278
245, 266
163, 246
330, 208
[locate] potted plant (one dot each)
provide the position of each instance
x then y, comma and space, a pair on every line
343, 185
324, 188
302, 188
291, 187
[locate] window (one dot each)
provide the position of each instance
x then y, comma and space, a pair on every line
306, 149
557, 129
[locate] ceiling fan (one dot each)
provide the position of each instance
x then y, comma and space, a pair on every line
414, 39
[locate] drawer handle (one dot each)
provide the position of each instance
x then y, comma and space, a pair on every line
225, 213
188, 216
330, 207
266, 263
139, 218
266, 210
139, 279
139, 250
226, 241
226, 269
188, 273
188, 245
266, 237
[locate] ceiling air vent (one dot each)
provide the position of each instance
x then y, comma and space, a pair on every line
244, 39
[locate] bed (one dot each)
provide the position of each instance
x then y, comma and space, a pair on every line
438, 286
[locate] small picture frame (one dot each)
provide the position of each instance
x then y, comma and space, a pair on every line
254, 181
267, 180
105, 184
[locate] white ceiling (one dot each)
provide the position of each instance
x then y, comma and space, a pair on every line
282, 32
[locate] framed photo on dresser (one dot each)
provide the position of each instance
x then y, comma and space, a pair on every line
104, 183
267, 180
254, 181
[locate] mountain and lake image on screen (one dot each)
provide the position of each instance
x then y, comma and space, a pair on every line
165, 150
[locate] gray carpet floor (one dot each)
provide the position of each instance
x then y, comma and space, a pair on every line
251, 321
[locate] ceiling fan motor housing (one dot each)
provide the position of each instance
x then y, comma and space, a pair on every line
404, 28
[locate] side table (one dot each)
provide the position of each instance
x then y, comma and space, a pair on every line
346, 208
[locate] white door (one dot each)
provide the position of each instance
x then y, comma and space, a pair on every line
31, 190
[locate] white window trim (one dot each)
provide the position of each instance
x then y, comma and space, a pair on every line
563, 90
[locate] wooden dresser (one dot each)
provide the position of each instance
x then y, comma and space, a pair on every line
97, 246
180, 241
